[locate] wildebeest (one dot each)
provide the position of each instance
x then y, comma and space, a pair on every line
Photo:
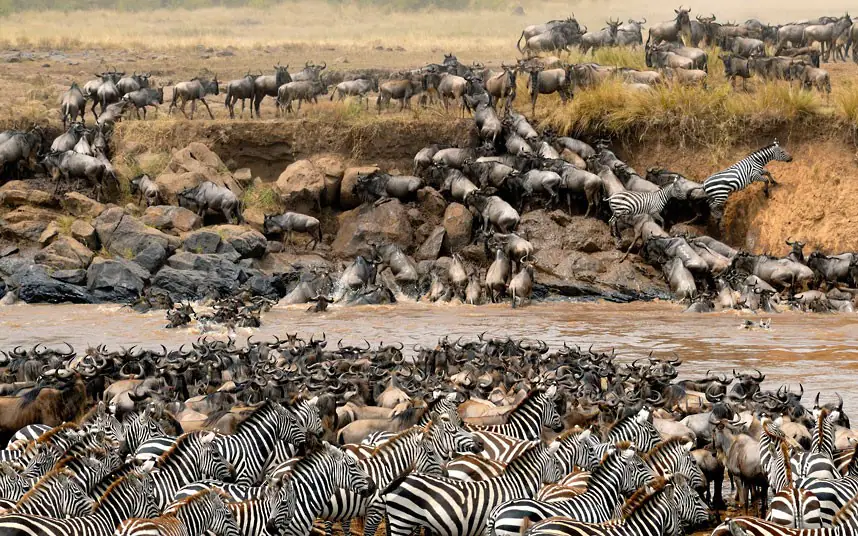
606, 37
744, 47
143, 98
521, 285
194, 90
20, 148
147, 188
833, 268
549, 81
698, 57
779, 272
453, 87
127, 84
494, 211
68, 139
401, 89
107, 92
356, 88
672, 30
267, 85
792, 34
536, 29
735, 67
810, 76
293, 221
554, 40
309, 73
209, 196
826, 34
112, 114
656, 56
501, 86
72, 105
303, 91
487, 120
631, 33
75, 165
241, 89
379, 185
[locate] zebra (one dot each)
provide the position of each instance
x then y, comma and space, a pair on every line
274, 509
448, 507
832, 494
314, 477
12, 484
25, 435
572, 485
192, 458
526, 419
636, 428
89, 470
651, 511
631, 203
411, 450
205, 511
101, 423
55, 495
846, 524
439, 405
139, 428
130, 496
250, 446
622, 471
673, 456
741, 174
790, 506
818, 462
574, 452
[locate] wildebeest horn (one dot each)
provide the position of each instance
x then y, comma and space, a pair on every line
816, 400
839, 403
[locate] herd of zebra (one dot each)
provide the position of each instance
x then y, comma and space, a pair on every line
491, 436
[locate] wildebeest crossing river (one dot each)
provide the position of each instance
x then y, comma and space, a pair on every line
820, 351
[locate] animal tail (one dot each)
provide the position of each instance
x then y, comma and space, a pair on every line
518, 43
226, 101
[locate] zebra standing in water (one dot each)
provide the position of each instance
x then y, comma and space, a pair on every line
741, 174
629, 203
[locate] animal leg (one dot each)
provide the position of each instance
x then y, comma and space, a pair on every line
211, 115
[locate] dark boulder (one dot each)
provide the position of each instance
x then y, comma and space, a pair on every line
35, 285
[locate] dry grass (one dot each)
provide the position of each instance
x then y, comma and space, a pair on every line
262, 198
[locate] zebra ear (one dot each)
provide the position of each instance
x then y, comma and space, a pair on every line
688, 446
553, 447
207, 438
147, 466
584, 435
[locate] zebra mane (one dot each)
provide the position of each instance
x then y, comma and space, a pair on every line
130, 477
519, 460
533, 393
256, 414
784, 452
846, 514
93, 411
39, 487
820, 430
662, 447
50, 434
642, 497
391, 443
177, 449
569, 433
200, 496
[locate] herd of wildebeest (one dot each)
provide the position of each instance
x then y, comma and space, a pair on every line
671, 51
468, 437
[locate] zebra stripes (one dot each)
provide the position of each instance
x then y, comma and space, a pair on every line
846, 524
673, 456
622, 471
637, 429
55, 495
741, 174
832, 494
526, 420
314, 477
191, 517
630, 203
130, 496
253, 441
450, 508
649, 512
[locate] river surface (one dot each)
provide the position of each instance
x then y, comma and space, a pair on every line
819, 351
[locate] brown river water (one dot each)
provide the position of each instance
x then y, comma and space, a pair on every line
820, 351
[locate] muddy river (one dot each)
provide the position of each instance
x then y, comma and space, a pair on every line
820, 351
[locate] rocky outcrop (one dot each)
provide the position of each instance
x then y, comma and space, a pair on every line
125, 236
203, 241
35, 285
170, 218
115, 280
26, 223
333, 168
191, 166
387, 223
458, 223
17, 193
85, 234
81, 206
65, 253
301, 187
348, 199
249, 243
